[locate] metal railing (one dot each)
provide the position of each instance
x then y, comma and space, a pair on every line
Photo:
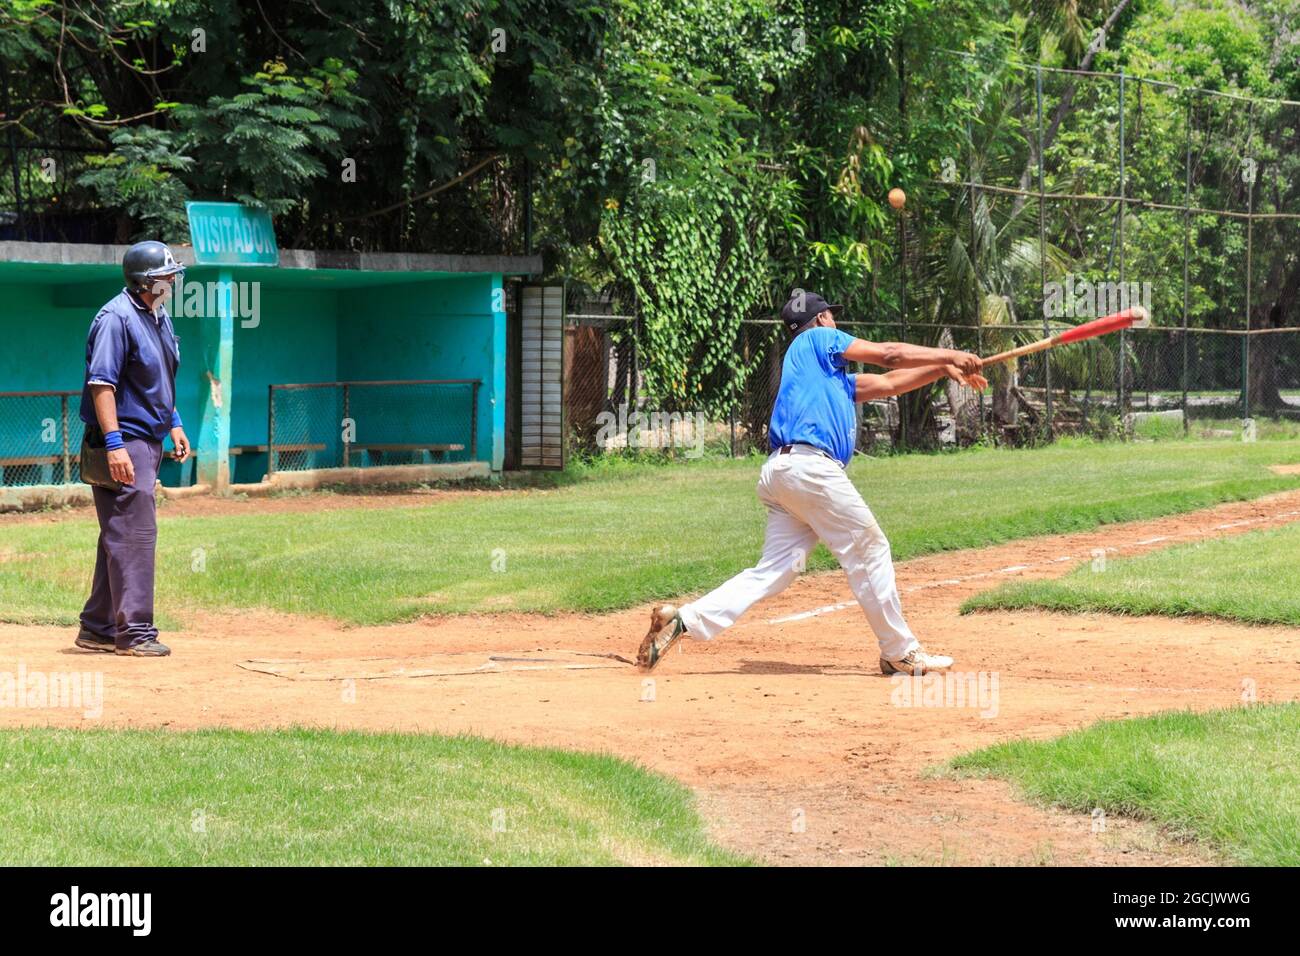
40, 438
363, 424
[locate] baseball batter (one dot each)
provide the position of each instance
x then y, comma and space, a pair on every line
806, 492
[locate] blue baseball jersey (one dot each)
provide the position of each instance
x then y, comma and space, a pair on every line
138, 355
814, 405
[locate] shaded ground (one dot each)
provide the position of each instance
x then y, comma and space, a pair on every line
799, 748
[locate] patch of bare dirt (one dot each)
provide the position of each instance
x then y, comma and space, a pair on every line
800, 750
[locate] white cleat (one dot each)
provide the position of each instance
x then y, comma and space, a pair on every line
916, 663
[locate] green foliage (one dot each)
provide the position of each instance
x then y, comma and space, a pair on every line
263, 145
775, 130
1212, 44
143, 175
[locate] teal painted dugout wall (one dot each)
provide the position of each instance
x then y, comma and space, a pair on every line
383, 326
294, 340
445, 329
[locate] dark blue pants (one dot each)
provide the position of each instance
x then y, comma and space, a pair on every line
120, 607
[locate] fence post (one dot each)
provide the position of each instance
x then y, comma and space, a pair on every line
67, 462
347, 445
1187, 238
634, 361
902, 239
974, 256
736, 353
473, 421
1250, 258
1120, 391
902, 317
270, 430
1042, 248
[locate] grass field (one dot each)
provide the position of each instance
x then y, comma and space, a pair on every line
1215, 429
1229, 778
632, 533
309, 797
1251, 577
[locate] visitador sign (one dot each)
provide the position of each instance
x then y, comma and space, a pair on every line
228, 234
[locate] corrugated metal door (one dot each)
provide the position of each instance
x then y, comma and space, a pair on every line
541, 395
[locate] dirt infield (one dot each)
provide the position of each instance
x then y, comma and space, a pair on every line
800, 750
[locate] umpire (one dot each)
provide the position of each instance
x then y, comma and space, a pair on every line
129, 400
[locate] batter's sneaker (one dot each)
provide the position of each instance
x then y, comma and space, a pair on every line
150, 648
90, 641
666, 629
916, 663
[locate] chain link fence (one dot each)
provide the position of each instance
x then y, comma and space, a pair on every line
42, 199
609, 409
1149, 384
1078, 193
368, 424
1072, 194
40, 438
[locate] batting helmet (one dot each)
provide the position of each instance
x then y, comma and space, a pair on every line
148, 260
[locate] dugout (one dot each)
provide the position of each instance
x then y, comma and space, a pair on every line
328, 367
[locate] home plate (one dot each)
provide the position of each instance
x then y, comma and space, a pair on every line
436, 665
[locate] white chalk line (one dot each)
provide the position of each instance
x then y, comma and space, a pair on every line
1015, 568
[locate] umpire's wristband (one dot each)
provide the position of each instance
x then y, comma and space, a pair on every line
113, 440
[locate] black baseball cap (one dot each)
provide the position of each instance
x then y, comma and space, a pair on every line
803, 307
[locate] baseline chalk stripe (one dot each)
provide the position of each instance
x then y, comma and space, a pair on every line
1194, 533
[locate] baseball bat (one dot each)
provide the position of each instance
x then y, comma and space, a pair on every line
1136, 316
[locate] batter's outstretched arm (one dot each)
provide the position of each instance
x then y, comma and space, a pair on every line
904, 355
870, 387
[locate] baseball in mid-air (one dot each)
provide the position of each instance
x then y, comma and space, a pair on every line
897, 198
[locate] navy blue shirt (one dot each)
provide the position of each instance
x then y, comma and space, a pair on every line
138, 355
814, 405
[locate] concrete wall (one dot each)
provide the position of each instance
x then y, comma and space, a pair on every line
294, 340
443, 329
44, 344
436, 327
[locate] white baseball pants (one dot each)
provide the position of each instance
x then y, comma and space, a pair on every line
808, 496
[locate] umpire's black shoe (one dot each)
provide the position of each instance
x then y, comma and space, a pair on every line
89, 641
149, 648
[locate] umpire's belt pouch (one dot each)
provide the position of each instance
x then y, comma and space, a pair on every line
94, 461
